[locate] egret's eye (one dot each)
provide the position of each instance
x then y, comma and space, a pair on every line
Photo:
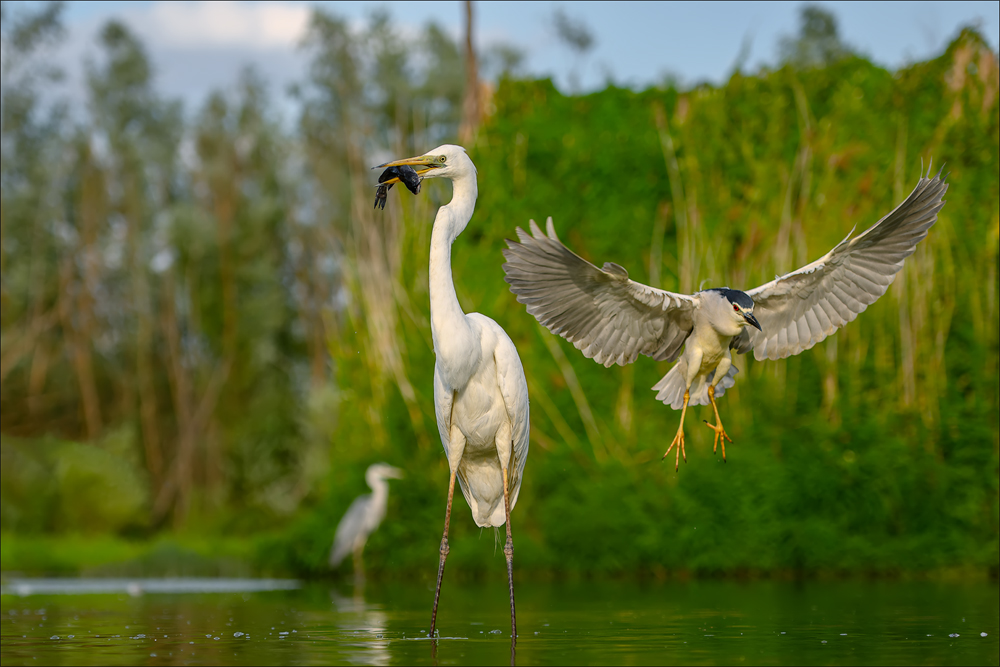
442, 159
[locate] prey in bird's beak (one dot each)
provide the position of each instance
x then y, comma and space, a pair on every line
752, 321
405, 175
404, 171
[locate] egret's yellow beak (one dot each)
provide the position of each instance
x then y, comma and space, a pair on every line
421, 164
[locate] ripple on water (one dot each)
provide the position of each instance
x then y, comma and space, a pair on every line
615, 622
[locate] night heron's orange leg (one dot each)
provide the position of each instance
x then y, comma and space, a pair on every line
679, 438
720, 433
508, 552
444, 551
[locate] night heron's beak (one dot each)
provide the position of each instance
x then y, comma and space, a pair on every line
752, 321
421, 164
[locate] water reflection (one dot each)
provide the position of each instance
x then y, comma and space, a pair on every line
366, 622
559, 623
136, 587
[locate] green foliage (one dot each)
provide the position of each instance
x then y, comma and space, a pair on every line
206, 326
874, 452
69, 487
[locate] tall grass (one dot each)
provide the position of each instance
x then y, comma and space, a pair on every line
204, 319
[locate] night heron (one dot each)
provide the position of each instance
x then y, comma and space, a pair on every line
613, 319
363, 516
480, 393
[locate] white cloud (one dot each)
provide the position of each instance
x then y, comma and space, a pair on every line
225, 24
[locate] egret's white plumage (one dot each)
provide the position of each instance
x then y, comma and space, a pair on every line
480, 392
613, 319
364, 515
485, 420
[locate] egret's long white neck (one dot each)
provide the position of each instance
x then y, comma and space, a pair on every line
454, 343
378, 485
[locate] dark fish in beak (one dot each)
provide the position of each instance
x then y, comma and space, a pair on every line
403, 174
406, 175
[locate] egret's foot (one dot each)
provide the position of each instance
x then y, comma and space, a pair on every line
678, 442
720, 437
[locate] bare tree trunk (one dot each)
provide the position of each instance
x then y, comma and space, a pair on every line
79, 352
193, 414
144, 338
224, 197
471, 106
91, 209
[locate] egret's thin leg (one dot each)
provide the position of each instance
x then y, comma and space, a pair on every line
679, 438
508, 551
720, 433
359, 566
444, 551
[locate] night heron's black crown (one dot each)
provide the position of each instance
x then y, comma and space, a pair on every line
741, 299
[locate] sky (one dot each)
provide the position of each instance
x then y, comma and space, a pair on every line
197, 47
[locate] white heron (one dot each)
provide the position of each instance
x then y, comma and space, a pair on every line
480, 393
364, 516
613, 319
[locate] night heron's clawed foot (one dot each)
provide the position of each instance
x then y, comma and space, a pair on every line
677, 442
720, 437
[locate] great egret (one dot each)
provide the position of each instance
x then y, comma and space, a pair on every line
363, 516
612, 319
480, 393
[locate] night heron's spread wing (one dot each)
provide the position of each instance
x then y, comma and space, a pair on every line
353, 525
800, 309
608, 317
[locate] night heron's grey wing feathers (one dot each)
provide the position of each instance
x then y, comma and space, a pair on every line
800, 309
607, 316
353, 525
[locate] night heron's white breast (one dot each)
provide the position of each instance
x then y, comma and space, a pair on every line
714, 327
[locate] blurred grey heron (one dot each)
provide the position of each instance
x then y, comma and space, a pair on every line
613, 319
363, 516
480, 393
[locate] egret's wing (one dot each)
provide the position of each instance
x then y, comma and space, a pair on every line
608, 317
349, 528
800, 309
514, 389
443, 400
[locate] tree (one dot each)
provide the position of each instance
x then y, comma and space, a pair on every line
577, 36
818, 43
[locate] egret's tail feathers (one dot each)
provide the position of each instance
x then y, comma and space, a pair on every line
670, 388
486, 513
499, 515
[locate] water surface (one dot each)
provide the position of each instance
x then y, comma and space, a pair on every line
558, 623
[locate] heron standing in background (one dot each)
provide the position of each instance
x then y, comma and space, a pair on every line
363, 516
480, 393
613, 319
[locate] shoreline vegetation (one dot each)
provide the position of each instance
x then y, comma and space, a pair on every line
230, 557
208, 335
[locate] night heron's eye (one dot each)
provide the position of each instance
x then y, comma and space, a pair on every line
736, 308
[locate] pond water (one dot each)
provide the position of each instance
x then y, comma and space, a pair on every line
701, 622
